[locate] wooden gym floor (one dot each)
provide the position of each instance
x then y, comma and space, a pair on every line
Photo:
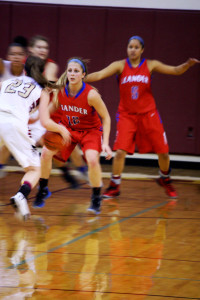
142, 246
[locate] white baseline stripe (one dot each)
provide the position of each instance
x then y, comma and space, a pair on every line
173, 157
107, 174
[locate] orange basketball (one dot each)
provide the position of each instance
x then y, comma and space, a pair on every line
53, 140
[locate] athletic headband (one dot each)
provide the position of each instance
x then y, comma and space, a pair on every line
137, 37
79, 62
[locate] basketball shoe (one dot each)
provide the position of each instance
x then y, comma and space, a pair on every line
74, 184
42, 195
112, 191
167, 184
83, 173
20, 204
95, 206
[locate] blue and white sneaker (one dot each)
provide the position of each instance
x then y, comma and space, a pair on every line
42, 195
95, 206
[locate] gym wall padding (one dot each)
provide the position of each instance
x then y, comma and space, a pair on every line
101, 34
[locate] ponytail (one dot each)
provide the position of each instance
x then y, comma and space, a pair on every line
34, 67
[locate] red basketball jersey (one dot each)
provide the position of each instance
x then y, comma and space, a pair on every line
50, 60
135, 89
76, 112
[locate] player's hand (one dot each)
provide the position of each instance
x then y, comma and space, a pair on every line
106, 148
65, 134
193, 61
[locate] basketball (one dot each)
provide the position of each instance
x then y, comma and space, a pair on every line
53, 140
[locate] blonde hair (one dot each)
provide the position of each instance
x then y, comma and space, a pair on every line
61, 82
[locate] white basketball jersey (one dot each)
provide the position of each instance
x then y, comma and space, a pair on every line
19, 96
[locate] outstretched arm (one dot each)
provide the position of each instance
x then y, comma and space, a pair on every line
114, 68
157, 66
94, 99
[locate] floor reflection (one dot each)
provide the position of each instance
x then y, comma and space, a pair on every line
89, 257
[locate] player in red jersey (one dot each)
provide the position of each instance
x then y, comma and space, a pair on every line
138, 119
81, 105
39, 46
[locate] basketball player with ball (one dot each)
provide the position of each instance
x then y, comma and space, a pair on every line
40, 46
82, 112
18, 97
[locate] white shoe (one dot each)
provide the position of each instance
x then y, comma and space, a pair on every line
19, 202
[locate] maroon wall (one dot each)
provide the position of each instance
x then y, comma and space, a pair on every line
101, 35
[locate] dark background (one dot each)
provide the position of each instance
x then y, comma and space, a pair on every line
101, 34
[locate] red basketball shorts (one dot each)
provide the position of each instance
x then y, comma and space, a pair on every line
86, 139
144, 130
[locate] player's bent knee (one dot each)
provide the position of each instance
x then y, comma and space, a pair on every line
93, 162
47, 154
120, 154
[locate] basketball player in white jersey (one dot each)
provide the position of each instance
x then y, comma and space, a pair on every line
14, 64
12, 67
18, 98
